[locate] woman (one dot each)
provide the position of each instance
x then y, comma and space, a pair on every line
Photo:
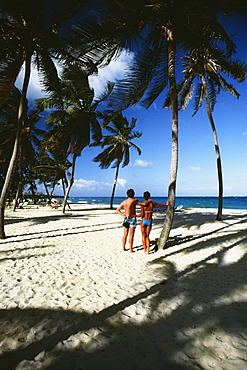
147, 218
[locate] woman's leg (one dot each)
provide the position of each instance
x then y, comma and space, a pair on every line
148, 230
143, 231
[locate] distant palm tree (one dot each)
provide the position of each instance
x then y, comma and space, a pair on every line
118, 144
209, 65
50, 169
73, 126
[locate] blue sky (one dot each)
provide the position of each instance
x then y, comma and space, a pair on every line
197, 174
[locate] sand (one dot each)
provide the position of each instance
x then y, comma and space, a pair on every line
71, 299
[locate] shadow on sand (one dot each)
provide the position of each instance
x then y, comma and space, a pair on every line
193, 320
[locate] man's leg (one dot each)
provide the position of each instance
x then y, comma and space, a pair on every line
131, 238
124, 238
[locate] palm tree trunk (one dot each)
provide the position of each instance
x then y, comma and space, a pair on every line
18, 195
19, 188
217, 151
174, 154
47, 192
71, 182
32, 189
114, 185
64, 181
15, 153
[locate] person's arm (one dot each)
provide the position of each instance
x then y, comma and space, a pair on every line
142, 212
161, 204
144, 204
119, 210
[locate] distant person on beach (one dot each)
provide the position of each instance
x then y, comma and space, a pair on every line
147, 218
129, 214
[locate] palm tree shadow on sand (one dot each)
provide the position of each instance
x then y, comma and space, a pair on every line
183, 321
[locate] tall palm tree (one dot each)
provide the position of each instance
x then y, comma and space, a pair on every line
161, 28
73, 126
31, 34
118, 144
209, 65
29, 137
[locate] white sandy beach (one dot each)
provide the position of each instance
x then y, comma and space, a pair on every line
71, 299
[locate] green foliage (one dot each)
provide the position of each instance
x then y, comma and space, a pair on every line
211, 64
119, 142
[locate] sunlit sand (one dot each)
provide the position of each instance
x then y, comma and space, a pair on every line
72, 299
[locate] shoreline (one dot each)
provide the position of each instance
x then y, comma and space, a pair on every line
72, 299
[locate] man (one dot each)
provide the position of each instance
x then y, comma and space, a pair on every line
129, 206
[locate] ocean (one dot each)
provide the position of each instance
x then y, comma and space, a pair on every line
186, 202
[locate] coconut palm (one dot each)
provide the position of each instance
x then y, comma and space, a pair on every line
31, 34
29, 137
209, 65
118, 144
51, 169
161, 29
73, 127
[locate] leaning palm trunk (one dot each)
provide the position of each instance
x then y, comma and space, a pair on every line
217, 151
47, 193
71, 182
174, 155
65, 186
15, 153
19, 188
114, 184
18, 195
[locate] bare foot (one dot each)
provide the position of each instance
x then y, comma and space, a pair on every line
131, 251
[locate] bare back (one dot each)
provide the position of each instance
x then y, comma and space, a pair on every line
129, 206
147, 212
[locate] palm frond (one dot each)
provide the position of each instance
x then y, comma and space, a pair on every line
198, 97
212, 92
228, 87
185, 93
131, 89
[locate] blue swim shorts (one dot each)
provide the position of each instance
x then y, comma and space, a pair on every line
146, 222
129, 222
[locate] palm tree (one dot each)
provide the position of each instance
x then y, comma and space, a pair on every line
74, 125
118, 144
31, 34
208, 65
161, 28
29, 137
50, 169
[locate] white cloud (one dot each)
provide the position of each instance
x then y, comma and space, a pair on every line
245, 133
142, 163
85, 183
122, 182
112, 72
34, 88
193, 168
90, 184
96, 187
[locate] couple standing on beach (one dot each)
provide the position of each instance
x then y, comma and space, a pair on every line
129, 214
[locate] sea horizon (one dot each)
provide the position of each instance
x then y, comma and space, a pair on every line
229, 202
